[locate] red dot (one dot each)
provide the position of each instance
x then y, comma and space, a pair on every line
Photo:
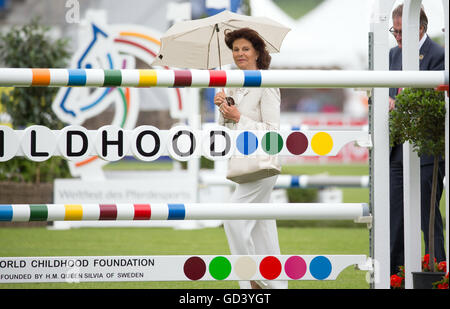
297, 143
270, 267
194, 268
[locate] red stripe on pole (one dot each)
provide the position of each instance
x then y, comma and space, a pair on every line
217, 78
182, 78
142, 212
108, 212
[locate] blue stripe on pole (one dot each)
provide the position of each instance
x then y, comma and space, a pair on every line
77, 77
176, 212
6, 212
295, 181
252, 78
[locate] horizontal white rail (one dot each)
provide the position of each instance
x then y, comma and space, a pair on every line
297, 181
27, 77
358, 212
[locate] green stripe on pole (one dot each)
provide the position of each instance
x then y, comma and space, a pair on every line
113, 78
38, 212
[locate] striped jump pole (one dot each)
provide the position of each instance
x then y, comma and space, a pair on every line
29, 77
359, 212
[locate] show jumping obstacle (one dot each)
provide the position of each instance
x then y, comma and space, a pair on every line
377, 79
39, 143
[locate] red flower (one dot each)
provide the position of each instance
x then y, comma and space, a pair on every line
425, 262
396, 281
441, 284
442, 266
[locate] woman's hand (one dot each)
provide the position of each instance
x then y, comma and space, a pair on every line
230, 112
391, 103
220, 98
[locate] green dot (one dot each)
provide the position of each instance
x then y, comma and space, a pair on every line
272, 143
220, 268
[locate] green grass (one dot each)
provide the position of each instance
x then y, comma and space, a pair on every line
167, 241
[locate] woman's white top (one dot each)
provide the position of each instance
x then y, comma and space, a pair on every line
259, 108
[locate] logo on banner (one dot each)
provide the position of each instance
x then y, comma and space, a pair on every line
109, 48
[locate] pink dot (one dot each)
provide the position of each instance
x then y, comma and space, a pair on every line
295, 267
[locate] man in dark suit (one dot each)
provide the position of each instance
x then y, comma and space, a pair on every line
432, 58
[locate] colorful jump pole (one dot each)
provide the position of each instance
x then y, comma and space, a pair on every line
28, 77
359, 212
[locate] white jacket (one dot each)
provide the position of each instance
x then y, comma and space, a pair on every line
259, 108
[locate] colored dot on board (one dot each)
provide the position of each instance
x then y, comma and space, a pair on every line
245, 267
270, 267
297, 143
320, 267
247, 143
220, 268
322, 143
295, 267
194, 268
272, 143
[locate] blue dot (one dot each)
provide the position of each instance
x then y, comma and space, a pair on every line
88, 66
247, 143
320, 267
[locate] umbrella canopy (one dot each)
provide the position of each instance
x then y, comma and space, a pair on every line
200, 43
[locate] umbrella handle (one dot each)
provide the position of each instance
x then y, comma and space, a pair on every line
216, 27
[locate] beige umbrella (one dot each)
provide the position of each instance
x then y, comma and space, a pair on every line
200, 43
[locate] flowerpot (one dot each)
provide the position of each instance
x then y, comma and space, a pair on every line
425, 280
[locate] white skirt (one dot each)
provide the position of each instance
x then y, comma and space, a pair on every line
254, 237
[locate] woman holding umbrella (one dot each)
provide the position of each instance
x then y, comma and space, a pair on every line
209, 43
251, 109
